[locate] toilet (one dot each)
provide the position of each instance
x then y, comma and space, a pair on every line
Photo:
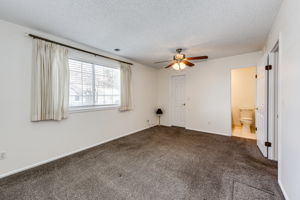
246, 118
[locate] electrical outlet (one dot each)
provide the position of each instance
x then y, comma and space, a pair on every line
2, 155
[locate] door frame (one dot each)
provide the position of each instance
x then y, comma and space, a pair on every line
273, 84
273, 101
171, 99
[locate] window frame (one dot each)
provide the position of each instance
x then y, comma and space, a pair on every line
91, 108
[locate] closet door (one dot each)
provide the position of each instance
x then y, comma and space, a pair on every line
178, 100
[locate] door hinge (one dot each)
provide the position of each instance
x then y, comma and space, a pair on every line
256, 128
255, 75
268, 144
268, 67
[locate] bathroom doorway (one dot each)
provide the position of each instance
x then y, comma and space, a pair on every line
243, 98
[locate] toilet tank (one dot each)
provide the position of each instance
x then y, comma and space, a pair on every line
246, 113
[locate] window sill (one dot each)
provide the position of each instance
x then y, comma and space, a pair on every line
80, 109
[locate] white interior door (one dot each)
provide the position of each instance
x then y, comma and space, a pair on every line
261, 106
178, 100
273, 104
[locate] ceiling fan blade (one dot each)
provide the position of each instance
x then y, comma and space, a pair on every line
197, 58
188, 63
170, 65
162, 61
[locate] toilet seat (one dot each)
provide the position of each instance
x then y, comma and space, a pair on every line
246, 119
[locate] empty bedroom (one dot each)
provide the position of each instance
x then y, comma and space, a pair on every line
140, 99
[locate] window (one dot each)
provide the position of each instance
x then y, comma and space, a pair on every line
93, 84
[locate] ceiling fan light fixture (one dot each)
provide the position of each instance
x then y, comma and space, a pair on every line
180, 62
179, 66
179, 56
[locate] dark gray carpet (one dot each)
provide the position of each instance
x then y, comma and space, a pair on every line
246, 192
158, 163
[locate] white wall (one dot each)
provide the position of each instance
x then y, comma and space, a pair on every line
287, 29
243, 92
207, 93
28, 143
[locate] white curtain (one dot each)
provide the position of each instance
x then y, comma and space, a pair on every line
50, 81
126, 101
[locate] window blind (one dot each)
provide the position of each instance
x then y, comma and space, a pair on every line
93, 85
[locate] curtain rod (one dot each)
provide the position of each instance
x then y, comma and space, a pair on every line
78, 49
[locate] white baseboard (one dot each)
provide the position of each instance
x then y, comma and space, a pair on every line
168, 125
210, 132
203, 131
67, 154
283, 190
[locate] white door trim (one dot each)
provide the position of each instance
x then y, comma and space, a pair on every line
273, 105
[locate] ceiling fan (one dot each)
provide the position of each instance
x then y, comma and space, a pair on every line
180, 62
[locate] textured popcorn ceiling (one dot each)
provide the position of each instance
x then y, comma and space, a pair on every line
150, 30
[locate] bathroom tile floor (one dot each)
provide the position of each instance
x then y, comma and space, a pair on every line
237, 131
